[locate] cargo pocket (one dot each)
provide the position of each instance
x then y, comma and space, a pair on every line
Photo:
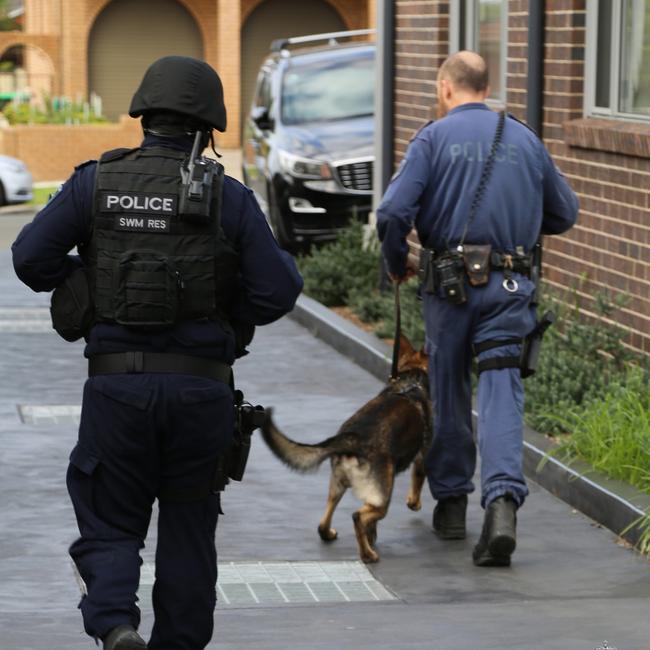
83, 464
83, 459
196, 395
138, 398
205, 414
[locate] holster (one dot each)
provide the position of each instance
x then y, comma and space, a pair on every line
232, 464
533, 344
71, 307
477, 260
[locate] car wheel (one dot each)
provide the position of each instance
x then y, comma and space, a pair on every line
3, 196
277, 223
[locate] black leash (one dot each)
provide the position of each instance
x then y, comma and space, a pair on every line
398, 333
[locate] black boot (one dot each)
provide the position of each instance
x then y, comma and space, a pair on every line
124, 637
499, 537
449, 517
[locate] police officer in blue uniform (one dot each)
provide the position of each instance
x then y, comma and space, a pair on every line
177, 266
478, 216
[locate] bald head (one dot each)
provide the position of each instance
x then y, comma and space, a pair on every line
462, 79
466, 71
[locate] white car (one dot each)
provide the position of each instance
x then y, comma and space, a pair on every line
15, 181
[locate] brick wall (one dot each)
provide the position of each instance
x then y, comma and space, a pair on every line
607, 162
610, 246
51, 151
421, 45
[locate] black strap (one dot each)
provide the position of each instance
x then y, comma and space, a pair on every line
398, 333
155, 362
485, 176
498, 363
491, 345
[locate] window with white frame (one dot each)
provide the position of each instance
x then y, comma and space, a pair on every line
482, 26
617, 59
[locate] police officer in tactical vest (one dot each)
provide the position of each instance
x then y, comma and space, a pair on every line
479, 187
177, 266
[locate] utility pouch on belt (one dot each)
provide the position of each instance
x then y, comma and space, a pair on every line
450, 277
148, 291
533, 344
71, 308
477, 263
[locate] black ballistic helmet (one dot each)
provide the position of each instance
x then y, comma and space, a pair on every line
183, 85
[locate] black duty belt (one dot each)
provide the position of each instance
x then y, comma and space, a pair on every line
158, 362
516, 263
498, 261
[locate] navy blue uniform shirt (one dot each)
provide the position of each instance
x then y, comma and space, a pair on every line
434, 187
269, 282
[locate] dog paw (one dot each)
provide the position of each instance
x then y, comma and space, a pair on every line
414, 504
327, 534
369, 556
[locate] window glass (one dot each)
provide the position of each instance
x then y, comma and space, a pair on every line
635, 57
329, 90
491, 13
480, 26
604, 54
263, 95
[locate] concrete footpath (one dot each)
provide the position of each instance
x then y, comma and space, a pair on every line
570, 587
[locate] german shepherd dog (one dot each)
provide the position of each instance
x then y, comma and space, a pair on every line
380, 440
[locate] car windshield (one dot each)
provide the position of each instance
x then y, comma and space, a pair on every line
329, 90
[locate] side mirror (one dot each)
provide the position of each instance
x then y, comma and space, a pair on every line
260, 115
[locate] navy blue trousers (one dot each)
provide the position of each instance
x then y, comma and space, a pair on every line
490, 313
144, 437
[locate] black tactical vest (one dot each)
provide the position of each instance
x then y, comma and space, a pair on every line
149, 267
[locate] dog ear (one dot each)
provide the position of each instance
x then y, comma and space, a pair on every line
423, 359
405, 347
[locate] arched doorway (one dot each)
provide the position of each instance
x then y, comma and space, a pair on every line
126, 37
26, 74
278, 19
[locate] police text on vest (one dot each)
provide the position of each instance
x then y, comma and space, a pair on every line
138, 202
142, 224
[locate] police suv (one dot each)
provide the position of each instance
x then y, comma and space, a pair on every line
308, 139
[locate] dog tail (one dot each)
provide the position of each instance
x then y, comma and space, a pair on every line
298, 456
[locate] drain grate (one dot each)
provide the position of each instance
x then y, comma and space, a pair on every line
42, 415
20, 320
277, 584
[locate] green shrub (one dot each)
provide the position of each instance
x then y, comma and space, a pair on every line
579, 359
54, 111
378, 309
346, 272
334, 270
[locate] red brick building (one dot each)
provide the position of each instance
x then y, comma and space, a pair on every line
80, 47
594, 103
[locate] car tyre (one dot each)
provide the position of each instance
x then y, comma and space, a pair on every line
278, 224
3, 196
